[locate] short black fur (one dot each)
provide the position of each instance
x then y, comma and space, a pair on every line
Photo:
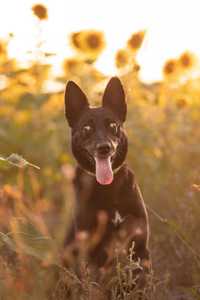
102, 127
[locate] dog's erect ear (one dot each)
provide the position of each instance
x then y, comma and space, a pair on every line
114, 98
75, 103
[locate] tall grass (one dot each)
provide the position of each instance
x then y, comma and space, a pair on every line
36, 205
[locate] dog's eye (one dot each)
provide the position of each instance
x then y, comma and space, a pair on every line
86, 130
113, 127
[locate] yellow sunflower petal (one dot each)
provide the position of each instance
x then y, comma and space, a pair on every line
136, 40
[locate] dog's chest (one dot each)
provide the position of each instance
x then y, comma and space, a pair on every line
98, 204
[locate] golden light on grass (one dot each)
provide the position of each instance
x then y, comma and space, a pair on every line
53, 105
75, 40
90, 43
37, 207
6, 112
40, 11
22, 117
136, 40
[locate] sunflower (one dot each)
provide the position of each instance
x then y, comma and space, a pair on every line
88, 42
94, 40
40, 11
3, 48
187, 60
122, 58
135, 41
4, 60
170, 67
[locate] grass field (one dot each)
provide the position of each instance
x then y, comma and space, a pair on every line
36, 198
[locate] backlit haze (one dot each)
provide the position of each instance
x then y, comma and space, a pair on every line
172, 27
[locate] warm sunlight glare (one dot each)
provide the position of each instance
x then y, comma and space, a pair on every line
170, 31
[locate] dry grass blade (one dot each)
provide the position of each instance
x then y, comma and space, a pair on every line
18, 161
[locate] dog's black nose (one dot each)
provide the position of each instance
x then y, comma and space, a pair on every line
103, 148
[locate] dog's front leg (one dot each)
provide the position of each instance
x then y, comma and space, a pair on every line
139, 228
138, 243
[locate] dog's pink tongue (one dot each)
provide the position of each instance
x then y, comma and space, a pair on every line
104, 174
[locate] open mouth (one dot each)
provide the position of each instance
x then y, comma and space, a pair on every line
102, 166
103, 169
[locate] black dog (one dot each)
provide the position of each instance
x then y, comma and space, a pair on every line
108, 198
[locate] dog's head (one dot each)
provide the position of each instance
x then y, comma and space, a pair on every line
99, 143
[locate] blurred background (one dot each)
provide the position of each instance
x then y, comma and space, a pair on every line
153, 47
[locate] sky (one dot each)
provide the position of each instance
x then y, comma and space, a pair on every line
173, 26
